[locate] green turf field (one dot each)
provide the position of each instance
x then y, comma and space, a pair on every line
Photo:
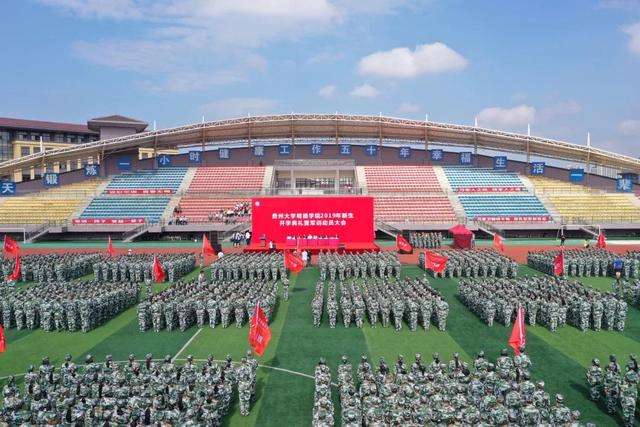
285, 398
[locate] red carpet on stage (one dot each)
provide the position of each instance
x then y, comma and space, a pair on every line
347, 247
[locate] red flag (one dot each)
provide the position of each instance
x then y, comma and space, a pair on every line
3, 341
110, 249
498, 242
602, 241
402, 244
10, 246
158, 272
292, 262
435, 262
518, 338
259, 331
558, 264
17, 271
207, 249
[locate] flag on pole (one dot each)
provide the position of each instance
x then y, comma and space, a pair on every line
10, 246
518, 338
110, 249
3, 341
602, 241
558, 264
435, 262
259, 331
158, 272
207, 249
17, 271
293, 262
402, 244
498, 242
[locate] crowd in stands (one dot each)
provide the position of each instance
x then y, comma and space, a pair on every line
440, 393
227, 216
547, 301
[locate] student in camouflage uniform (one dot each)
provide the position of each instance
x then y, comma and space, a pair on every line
130, 393
453, 393
587, 262
552, 302
220, 302
412, 301
323, 415
368, 264
81, 305
473, 263
421, 239
52, 267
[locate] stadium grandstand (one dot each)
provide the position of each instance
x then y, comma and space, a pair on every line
422, 175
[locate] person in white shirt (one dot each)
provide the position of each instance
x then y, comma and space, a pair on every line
305, 257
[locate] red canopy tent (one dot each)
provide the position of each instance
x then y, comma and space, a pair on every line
462, 236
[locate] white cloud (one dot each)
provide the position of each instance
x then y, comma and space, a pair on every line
188, 81
327, 91
404, 63
633, 31
561, 108
630, 127
195, 37
239, 107
101, 9
325, 58
619, 4
506, 118
408, 107
364, 91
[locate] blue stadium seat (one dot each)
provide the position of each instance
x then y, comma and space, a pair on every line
466, 177
150, 208
163, 178
495, 206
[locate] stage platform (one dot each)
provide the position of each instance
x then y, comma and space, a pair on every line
314, 249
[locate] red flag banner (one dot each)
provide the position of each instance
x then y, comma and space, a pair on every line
17, 271
259, 331
498, 242
207, 249
402, 244
3, 341
158, 272
558, 264
110, 249
292, 262
602, 241
435, 262
518, 338
10, 246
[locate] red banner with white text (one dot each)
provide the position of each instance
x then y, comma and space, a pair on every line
123, 191
490, 189
350, 219
108, 221
528, 218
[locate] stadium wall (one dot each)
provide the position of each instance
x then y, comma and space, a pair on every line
243, 156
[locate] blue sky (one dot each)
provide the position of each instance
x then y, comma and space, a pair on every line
566, 67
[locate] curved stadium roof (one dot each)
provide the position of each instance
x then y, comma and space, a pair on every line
334, 126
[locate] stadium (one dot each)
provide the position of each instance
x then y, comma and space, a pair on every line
311, 269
